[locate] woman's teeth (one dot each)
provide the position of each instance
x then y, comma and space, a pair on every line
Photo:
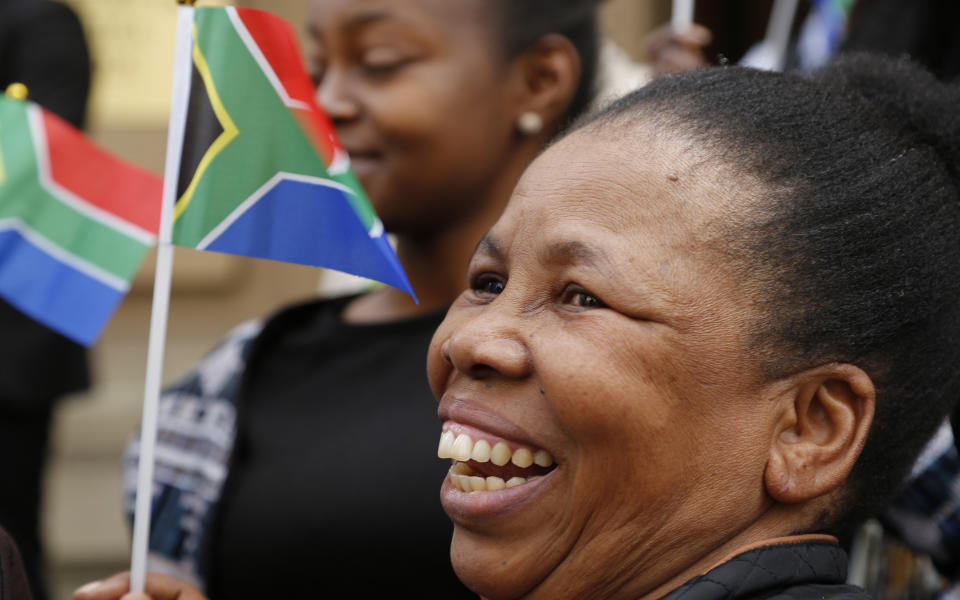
465, 478
461, 448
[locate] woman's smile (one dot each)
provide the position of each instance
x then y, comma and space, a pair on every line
494, 471
365, 163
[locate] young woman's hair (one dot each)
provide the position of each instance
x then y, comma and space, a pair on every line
523, 22
852, 251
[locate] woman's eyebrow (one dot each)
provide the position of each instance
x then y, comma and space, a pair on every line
364, 19
354, 22
575, 252
488, 246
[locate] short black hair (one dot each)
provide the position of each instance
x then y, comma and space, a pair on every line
522, 23
855, 249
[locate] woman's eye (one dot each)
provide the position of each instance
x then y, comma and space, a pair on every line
383, 59
586, 300
488, 284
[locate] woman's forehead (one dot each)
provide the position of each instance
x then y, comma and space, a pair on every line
637, 174
422, 14
611, 180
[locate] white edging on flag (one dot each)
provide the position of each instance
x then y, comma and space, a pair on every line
260, 193
258, 56
71, 260
39, 134
340, 163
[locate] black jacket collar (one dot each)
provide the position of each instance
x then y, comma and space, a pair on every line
807, 569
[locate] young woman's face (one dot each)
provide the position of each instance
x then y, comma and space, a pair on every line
601, 327
419, 99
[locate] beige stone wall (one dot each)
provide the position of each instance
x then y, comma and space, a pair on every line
626, 21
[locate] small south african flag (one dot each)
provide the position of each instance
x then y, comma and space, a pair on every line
75, 222
262, 172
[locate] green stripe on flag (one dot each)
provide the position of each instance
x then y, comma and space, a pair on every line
358, 200
269, 139
24, 198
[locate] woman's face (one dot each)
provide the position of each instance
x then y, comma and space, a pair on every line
418, 100
600, 326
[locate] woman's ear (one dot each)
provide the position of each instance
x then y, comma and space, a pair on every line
549, 76
820, 432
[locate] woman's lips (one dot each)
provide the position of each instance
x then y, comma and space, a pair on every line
364, 163
477, 506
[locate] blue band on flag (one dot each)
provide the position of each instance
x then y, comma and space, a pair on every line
52, 292
305, 223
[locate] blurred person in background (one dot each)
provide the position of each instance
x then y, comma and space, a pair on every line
300, 448
926, 31
42, 45
13, 576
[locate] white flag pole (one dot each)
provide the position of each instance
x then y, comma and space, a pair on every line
161, 296
778, 30
771, 53
681, 19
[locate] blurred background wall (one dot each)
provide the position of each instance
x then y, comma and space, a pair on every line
132, 47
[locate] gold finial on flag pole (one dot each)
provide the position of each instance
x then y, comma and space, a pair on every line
17, 91
187, 2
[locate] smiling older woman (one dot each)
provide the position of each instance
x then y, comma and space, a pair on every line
712, 330
721, 314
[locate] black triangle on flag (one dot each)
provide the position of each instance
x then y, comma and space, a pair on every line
201, 130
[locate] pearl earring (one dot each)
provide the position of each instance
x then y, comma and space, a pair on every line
529, 123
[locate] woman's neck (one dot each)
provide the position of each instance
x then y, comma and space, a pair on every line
430, 268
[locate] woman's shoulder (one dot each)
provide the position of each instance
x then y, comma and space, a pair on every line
798, 568
13, 578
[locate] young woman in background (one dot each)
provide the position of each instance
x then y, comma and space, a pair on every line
300, 449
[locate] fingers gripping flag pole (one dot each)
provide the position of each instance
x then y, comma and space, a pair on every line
161, 298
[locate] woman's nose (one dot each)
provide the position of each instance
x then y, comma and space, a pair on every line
333, 96
489, 345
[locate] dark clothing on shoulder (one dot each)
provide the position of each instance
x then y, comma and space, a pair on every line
331, 432
334, 476
13, 577
802, 570
42, 45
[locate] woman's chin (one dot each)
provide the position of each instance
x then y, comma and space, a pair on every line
488, 570
495, 549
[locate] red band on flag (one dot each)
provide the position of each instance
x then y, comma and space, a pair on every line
116, 186
277, 41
